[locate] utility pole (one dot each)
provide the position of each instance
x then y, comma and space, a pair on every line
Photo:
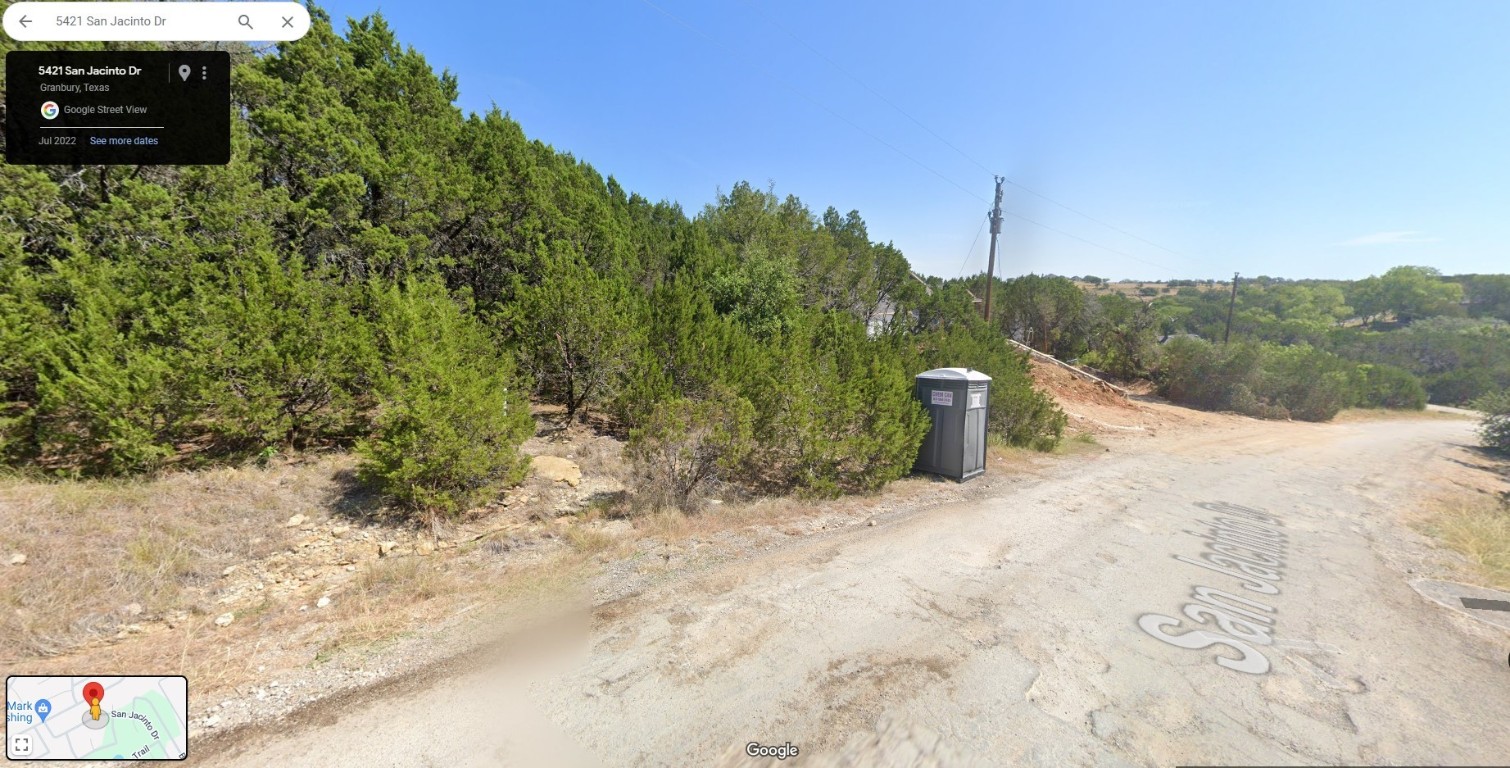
995, 230
1230, 306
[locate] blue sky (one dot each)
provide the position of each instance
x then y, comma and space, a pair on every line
1290, 138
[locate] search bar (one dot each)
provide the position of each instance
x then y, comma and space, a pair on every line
188, 22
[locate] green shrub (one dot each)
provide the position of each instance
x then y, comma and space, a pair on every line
283, 359
1387, 386
113, 387
1494, 430
686, 445
577, 331
1459, 386
689, 350
1123, 343
1200, 374
1311, 384
24, 330
451, 414
1457, 359
1242, 400
1270, 381
1023, 416
834, 409
107, 405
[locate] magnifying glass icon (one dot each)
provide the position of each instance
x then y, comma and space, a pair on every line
244, 21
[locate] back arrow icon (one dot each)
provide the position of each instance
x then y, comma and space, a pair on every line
24, 21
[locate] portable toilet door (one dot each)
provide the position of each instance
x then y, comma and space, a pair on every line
974, 454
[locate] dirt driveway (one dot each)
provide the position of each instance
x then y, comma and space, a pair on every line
1058, 625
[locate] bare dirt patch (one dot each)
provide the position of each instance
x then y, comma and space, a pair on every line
1102, 412
1066, 387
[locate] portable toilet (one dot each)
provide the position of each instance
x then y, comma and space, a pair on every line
957, 400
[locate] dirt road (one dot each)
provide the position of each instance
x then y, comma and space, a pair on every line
1014, 631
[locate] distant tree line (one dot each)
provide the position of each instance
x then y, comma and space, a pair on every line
1392, 340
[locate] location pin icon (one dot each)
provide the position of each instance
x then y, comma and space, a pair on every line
44, 708
93, 692
183, 71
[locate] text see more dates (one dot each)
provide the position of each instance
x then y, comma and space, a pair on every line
118, 107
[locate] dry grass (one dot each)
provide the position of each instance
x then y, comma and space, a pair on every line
1389, 414
215, 660
671, 524
95, 547
409, 579
589, 540
1479, 528
551, 580
130, 575
1002, 457
793, 515
1077, 443
383, 600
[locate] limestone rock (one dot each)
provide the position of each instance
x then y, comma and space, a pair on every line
557, 469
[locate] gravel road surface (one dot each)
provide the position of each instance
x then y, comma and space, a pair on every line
1234, 596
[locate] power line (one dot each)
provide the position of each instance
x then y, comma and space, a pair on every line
1091, 243
1112, 227
971, 252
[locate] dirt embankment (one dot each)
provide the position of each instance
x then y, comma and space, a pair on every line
1069, 389
1099, 410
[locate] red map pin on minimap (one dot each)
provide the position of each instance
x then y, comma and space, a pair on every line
93, 693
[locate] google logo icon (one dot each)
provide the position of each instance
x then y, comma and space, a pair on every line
49, 109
